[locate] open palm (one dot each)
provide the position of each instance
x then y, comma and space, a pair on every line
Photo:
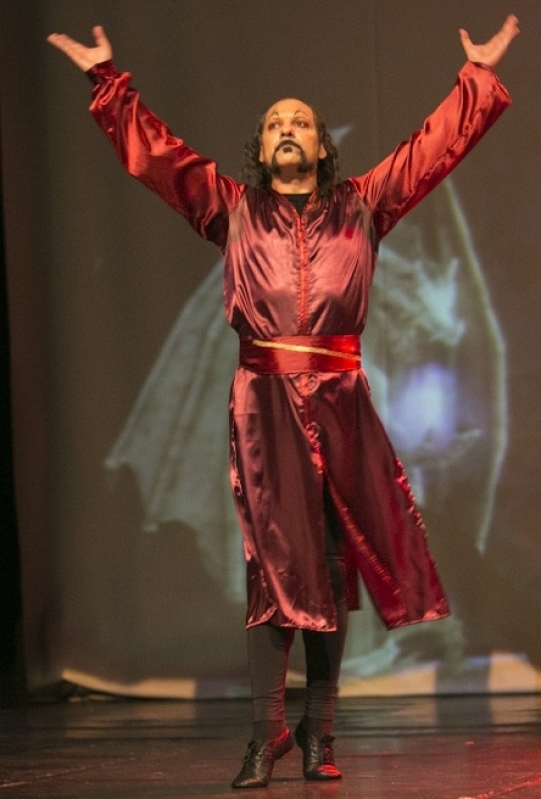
492, 51
84, 57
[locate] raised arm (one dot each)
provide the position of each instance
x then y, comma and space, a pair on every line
186, 181
419, 164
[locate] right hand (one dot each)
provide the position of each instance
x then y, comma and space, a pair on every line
84, 57
493, 51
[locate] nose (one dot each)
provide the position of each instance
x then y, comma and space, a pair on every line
287, 131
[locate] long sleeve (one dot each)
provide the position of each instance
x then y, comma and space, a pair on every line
419, 164
186, 181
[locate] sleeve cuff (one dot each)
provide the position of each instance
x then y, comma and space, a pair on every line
100, 73
483, 66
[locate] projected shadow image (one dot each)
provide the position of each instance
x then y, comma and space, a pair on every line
435, 361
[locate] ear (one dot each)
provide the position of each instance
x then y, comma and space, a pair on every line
261, 159
322, 152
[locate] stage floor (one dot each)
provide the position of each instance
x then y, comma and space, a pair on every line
460, 747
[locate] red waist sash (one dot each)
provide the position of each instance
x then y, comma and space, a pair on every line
296, 354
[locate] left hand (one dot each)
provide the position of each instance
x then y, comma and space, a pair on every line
494, 50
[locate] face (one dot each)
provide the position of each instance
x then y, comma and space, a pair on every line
289, 139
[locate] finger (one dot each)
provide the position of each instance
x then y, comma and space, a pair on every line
466, 41
63, 42
54, 38
510, 27
511, 22
99, 36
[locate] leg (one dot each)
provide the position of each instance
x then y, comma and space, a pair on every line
324, 650
268, 656
323, 659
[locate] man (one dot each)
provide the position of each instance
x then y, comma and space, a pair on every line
319, 492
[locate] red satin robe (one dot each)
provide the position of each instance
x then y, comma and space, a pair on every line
285, 275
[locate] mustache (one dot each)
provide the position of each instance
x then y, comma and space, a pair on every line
302, 168
288, 143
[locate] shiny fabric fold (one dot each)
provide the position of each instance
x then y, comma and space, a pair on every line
300, 354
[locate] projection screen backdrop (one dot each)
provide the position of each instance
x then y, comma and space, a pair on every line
132, 560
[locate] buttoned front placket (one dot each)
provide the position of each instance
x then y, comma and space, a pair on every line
306, 383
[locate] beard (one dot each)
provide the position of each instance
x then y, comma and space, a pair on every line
303, 166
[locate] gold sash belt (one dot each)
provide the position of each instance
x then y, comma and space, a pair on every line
296, 354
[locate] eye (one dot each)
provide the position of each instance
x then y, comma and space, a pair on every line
301, 123
273, 125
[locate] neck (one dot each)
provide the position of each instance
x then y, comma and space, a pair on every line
294, 184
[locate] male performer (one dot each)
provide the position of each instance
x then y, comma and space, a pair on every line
319, 491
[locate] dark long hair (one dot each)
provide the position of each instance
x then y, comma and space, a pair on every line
257, 174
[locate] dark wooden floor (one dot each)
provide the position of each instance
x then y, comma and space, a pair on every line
427, 748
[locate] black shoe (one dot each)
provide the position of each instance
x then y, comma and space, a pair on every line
318, 755
259, 761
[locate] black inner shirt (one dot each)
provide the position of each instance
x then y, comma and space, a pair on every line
298, 200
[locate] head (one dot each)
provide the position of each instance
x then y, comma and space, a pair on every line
291, 135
